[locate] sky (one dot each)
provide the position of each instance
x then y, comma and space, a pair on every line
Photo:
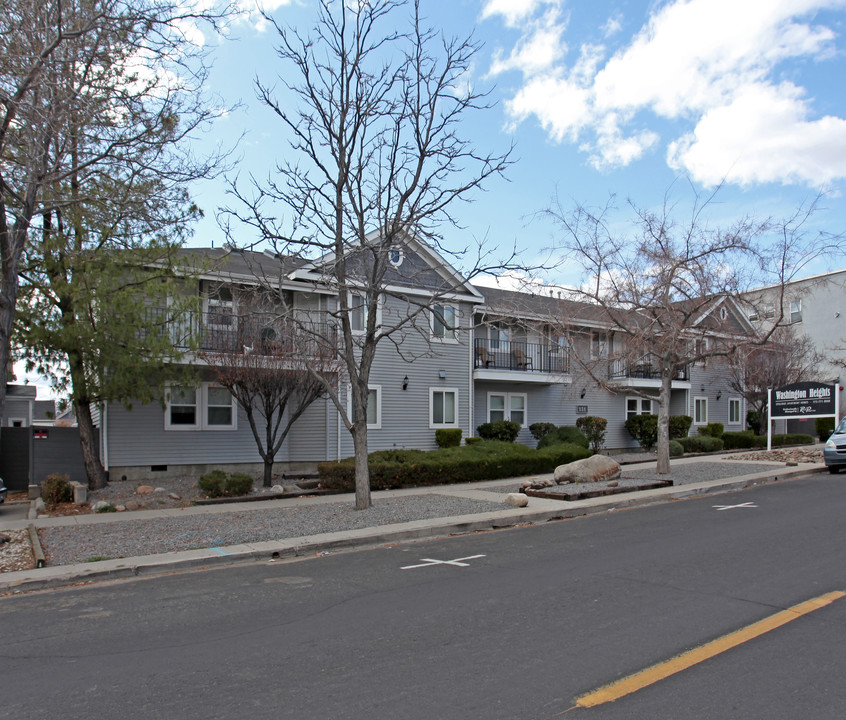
622, 98
600, 98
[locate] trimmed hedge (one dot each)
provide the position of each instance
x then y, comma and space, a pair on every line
741, 440
448, 437
488, 460
713, 429
644, 429
700, 443
680, 426
503, 430
563, 434
594, 429
676, 449
217, 484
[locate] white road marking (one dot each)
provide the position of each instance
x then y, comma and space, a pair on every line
428, 562
732, 507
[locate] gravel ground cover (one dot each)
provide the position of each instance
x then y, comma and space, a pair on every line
16, 554
75, 544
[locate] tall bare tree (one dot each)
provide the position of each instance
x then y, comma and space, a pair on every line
661, 288
95, 95
376, 157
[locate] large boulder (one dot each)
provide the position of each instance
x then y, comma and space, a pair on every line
597, 468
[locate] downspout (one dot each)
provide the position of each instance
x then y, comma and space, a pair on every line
471, 387
338, 413
104, 435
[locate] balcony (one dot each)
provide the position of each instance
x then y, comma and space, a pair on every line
513, 360
255, 333
647, 369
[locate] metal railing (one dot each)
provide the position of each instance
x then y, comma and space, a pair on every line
645, 368
520, 356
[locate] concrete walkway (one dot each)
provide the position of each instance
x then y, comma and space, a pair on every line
538, 511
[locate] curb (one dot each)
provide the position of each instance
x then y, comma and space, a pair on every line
206, 558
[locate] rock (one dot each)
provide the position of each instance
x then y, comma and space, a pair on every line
131, 505
4, 538
144, 489
174, 496
593, 469
277, 489
120, 508
538, 483
159, 490
613, 483
100, 505
517, 499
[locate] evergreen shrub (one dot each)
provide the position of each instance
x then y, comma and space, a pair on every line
563, 434
503, 430
448, 437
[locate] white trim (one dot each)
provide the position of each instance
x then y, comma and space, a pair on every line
370, 388
506, 409
201, 408
206, 425
182, 427
700, 422
450, 335
364, 310
640, 407
432, 424
739, 420
12, 420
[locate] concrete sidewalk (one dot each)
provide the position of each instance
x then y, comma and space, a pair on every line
538, 511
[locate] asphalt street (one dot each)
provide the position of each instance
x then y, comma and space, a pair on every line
510, 624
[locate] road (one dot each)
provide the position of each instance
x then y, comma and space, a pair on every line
518, 625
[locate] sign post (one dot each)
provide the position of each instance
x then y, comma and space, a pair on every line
801, 400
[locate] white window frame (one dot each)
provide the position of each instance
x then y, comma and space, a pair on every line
351, 295
201, 396
449, 334
736, 402
400, 256
180, 427
370, 389
796, 315
12, 420
497, 334
432, 423
206, 425
212, 302
603, 347
506, 409
640, 406
697, 400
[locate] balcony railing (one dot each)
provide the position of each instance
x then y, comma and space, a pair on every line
257, 333
520, 356
646, 368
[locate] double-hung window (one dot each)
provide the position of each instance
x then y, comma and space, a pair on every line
220, 308
734, 411
598, 345
444, 325
499, 337
208, 407
638, 406
374, 407
507, 406
795, 311
443, 407
700, 411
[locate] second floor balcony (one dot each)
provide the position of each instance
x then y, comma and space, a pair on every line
520, 357
647, 368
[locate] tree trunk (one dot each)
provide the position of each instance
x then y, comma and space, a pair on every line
362, 471
88, 442
268, 473
663, 466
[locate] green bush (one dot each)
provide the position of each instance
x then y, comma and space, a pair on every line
700, 443
448, 437
487, 460
472, 440
676, 449
56, 489
563, 434
680, 426
789, 439
538, 430
824, 427
741, 440
217, 484
593, 428
714, 429
754, 421
644, 429
503, 430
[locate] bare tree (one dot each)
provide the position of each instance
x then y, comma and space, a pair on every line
786, 358
376, 158
92, 94
670, 294
259, 359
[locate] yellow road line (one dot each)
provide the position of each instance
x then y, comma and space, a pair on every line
653, 674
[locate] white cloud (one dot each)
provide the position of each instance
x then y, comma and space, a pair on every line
514, 11
713, 64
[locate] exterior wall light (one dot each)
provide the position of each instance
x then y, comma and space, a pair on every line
405, 383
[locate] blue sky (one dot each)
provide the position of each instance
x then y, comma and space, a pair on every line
606, 97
